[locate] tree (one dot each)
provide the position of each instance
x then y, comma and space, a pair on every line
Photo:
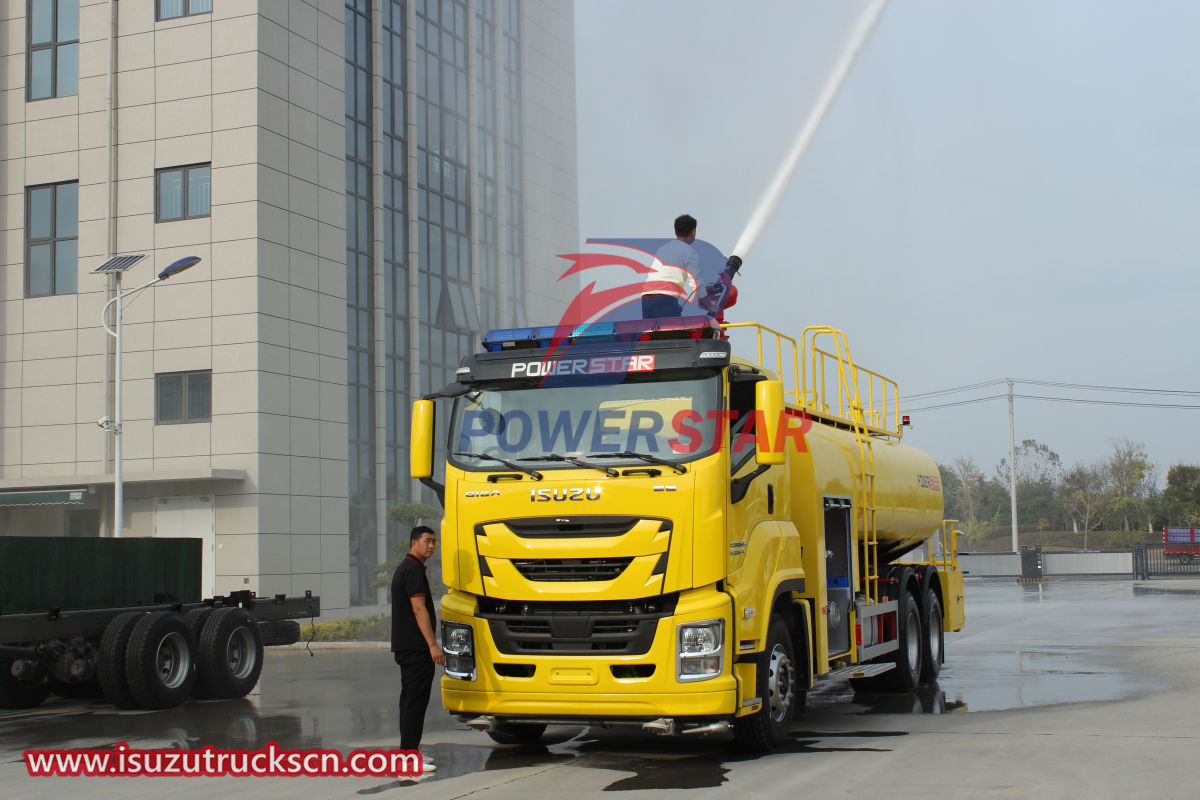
410, 514
1128, 491
970, 495
1181, 499
1039, 473
1083, 495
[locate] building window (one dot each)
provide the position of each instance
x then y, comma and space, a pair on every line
172, 9
182, 397
53, 47
183, 192
51, 239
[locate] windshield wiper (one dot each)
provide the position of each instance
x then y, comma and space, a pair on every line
536, 475
579, 462
679, 468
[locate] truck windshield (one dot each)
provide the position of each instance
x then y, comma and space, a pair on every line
673, 420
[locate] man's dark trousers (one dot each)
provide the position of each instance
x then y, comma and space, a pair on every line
416, 679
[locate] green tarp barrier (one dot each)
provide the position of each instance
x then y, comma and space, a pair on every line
39, 573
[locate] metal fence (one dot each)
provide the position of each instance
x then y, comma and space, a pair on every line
1054, 564
1162, 561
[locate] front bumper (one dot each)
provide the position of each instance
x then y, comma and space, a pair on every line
587, 687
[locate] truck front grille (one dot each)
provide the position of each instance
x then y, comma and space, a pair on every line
571, 569
617, 627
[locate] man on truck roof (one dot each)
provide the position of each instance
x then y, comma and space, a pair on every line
673, 279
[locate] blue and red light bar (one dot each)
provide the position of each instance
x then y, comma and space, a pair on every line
636, 330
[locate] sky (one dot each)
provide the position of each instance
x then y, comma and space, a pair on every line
1001, 189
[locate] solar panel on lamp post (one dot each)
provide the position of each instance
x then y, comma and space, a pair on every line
117, 266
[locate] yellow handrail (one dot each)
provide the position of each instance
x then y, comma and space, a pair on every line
859, 397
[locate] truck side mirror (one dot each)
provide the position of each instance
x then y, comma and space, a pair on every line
420, 453
769, 407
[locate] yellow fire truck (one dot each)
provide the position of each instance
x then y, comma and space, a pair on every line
643, 529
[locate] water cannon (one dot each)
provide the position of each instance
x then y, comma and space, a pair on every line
716, 294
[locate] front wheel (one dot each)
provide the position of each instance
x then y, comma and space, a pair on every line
516, 733
775, 684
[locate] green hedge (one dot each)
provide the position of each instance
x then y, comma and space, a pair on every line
359, 629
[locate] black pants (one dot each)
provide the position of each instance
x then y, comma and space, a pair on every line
416, 679
656, 306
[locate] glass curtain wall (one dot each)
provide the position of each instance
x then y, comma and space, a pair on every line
360, 303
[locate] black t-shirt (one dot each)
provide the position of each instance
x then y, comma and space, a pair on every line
410, 581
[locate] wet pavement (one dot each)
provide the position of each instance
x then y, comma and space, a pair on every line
1026, 651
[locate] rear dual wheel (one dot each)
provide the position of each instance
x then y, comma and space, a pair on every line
231, 654
907, 658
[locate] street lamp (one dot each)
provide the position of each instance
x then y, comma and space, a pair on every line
118, 265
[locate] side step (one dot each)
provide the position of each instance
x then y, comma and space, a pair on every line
861, 670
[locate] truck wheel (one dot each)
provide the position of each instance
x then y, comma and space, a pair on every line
516, 733
231, 652
160, 660
16, 693
907, 657
111, 666
933, 639
196, 618
775, 684
280, 632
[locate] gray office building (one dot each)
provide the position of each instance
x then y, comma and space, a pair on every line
369, 185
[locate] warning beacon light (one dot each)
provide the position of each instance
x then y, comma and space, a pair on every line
635, 330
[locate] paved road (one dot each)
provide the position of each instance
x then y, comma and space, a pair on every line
1068, 689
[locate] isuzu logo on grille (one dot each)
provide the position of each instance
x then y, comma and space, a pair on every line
574, 493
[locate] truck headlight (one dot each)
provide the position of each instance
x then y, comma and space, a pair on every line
458, 643
701, 648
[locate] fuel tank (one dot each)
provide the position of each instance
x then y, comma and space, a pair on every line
908, 486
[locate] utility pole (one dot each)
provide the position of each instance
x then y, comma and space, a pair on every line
1012, 463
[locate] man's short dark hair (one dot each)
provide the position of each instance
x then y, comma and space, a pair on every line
420, 531
685, 225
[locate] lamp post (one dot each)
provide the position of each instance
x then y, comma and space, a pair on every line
118, 265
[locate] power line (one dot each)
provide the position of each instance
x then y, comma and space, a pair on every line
1092, 388
1055, 384
1082, 400
955, 389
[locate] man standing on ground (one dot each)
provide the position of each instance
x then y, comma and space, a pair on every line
676, 265
413, 641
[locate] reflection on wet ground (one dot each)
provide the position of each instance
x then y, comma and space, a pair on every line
1049, 643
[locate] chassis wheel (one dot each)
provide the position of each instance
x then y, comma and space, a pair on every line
906, 675
516, 733
279, 632
15, 693
160, 660
775, 683
111, 666
933, 640
231, 652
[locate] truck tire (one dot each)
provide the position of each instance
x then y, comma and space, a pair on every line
933, 639
279, 632
907, 657
231, 653
110, 669
16, 693
160, 660
775, 684
196, 618
516, 733
906, 675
